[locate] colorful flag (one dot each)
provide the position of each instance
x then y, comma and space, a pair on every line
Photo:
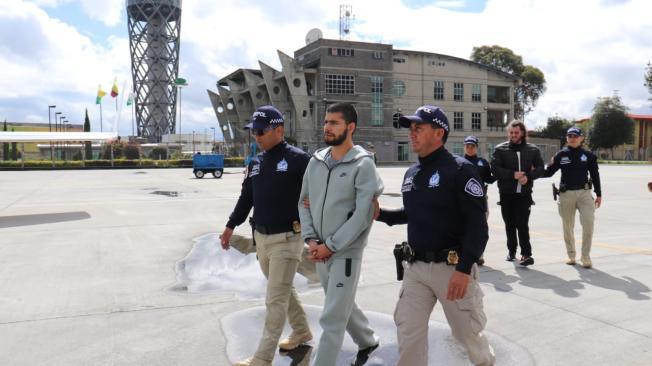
130, 99
114, 88
100, 94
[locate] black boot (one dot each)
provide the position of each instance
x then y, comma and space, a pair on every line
363, 355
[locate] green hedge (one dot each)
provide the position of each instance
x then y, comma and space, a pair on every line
117, 163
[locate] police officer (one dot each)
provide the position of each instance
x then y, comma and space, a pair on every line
575, 192
444, 208
482, 166
516, 164
272, 186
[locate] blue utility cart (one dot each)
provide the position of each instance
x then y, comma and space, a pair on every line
213, 163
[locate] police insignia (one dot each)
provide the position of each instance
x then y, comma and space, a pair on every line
282, 166
255, 170
480, 163
583, 157
474, 188
434, 180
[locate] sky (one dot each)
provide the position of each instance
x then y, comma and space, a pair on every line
57, 52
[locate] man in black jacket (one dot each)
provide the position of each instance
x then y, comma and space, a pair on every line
516, 164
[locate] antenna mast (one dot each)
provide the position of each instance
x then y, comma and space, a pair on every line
346, 19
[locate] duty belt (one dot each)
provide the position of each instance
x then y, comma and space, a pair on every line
277, 229
450, 256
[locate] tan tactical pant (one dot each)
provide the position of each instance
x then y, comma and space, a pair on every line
279, 256
424, 284
569, 202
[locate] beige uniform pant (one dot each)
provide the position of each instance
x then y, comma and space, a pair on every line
424, 284
279, 256
569, 202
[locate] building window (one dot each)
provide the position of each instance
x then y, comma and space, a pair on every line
458, 120
399, 60
403, 152
342, 52
395, 118
476, 93
458, 92
498, 94
376, 100
398, 88
378, 55
458, 148
436, 63
490, 150
476, 121
339, 84
439, 90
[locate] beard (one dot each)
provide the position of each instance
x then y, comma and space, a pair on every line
337, 140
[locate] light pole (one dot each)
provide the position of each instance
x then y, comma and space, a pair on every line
214, 149
50, 107
49, 111
61, 118
193, 142
56, 118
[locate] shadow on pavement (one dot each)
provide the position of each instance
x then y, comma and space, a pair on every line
631, 287
39, 219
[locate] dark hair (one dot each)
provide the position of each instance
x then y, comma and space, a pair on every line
521, 126
348, 112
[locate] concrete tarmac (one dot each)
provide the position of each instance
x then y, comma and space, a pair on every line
87, 261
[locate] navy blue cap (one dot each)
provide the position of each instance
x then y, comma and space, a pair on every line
426, 114
264, 117
471, 140
574, 131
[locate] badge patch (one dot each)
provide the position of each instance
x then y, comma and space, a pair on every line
474, 188
565, 160
583, 158
407, 184
282, 166
434, 180
480, 163
254, 170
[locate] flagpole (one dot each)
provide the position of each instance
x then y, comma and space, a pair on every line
101, 128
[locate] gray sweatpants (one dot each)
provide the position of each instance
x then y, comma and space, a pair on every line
339, 278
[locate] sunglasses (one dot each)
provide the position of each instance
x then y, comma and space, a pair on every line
261, 131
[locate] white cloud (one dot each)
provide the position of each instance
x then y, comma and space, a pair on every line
586, 48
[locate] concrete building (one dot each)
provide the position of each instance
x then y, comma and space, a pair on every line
382, 82
641, 146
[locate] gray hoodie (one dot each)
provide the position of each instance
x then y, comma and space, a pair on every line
341, 210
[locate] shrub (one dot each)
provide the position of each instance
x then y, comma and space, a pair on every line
132, 151
159, 153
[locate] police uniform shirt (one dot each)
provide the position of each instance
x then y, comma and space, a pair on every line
444, 207
272, 186
483, 167
574, 164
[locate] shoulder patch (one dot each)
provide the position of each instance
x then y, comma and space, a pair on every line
474, 188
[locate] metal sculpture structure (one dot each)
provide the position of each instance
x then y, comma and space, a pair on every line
154, 35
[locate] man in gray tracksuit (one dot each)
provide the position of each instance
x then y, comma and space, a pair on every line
340, 183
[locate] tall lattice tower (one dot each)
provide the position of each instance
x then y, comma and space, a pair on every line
154, 30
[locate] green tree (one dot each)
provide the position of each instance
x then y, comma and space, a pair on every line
648, 78
556, 129
87, 144
533, 80
132, 151
5, 146
611, 126
14, 149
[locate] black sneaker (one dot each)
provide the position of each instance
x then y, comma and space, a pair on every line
363, 355
526, 261
510, 257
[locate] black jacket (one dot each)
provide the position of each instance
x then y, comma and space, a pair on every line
574, 165
272, 187
484, 169
444, 207
505, 163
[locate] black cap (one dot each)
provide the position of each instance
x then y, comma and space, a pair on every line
426, 114
264, 117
